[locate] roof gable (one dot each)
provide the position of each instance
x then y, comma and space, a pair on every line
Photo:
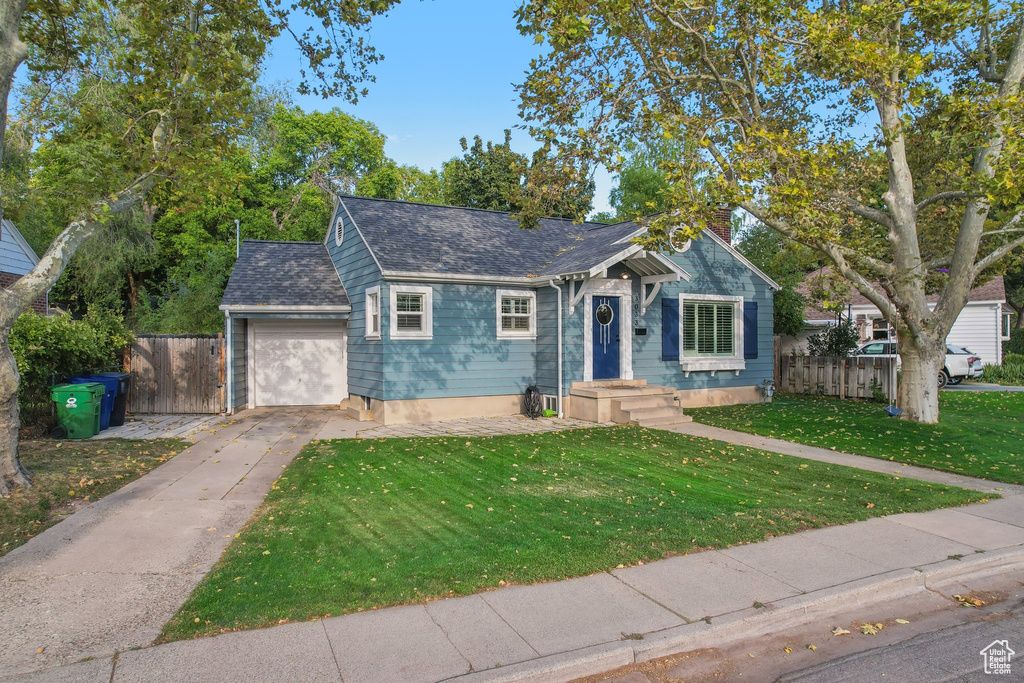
16, 255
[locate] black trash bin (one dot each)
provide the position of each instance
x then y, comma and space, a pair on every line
124, 383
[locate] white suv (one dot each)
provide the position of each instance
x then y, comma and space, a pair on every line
960, 363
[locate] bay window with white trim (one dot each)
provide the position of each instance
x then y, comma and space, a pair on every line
516, 313
373, 313
710, 332
412, 312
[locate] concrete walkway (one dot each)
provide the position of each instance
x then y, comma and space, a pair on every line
561, 630
191, 427
981, 386
110, 576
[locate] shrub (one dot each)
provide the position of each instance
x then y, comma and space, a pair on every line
1015, 344
53, 347
1011, 372
834, 340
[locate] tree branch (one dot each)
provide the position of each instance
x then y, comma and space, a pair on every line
19, 296
876, 216
941, 197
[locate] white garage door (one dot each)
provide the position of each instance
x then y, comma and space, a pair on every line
299, 363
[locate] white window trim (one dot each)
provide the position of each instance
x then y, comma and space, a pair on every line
516, 334
366, 313
428, 312
735, 362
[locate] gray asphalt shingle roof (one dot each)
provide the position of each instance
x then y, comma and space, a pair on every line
427, 238
284, 274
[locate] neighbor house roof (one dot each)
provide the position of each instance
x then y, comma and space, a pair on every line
284, 274
992, 290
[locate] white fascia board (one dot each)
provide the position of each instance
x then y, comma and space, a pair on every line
408, 276
246, 308
612, 260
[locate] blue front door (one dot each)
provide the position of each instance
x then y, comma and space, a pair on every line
605, 316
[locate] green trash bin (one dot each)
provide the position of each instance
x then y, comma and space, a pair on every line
78, 408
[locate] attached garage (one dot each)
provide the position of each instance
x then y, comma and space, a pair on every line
286, 315
298, 362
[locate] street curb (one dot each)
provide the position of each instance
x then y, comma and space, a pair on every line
746, 623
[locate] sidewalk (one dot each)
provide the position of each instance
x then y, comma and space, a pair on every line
110, 576
561, 630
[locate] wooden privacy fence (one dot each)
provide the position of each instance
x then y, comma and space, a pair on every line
177, 374
853, 377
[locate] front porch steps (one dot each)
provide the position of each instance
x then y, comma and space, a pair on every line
626, 402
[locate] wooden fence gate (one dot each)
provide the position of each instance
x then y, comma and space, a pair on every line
177, 374
853, 377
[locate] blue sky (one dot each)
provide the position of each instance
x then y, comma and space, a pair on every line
448, 72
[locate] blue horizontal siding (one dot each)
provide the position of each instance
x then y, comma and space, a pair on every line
464, 357
358, 272
714, 271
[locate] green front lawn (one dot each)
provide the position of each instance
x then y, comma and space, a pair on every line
353, 525
69, 473
980, 434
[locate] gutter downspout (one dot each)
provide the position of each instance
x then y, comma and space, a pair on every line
229, 392
558, 288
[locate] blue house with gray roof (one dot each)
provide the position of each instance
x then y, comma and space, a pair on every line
411, 312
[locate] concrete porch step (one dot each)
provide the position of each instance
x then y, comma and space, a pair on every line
659, 421
650, 401
653, 413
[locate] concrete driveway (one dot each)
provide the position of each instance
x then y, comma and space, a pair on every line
108, 577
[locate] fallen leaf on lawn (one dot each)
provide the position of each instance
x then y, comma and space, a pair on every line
840, 631
902, 621
870, 505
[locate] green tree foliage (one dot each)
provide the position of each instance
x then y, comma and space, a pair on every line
1014, 283
829, 122
785, 262
492, 176
835, 340
49, 347
485, 176
405, 182
135, 103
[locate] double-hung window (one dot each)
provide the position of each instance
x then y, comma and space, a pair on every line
373, 313
710, 332
411, 312
516, 313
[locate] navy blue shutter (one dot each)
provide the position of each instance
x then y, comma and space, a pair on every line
750, 329
669, 328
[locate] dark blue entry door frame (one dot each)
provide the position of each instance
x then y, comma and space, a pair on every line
605, 317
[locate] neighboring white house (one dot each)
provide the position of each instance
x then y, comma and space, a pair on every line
982, 326
16, 259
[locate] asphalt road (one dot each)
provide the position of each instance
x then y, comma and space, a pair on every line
950, 654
